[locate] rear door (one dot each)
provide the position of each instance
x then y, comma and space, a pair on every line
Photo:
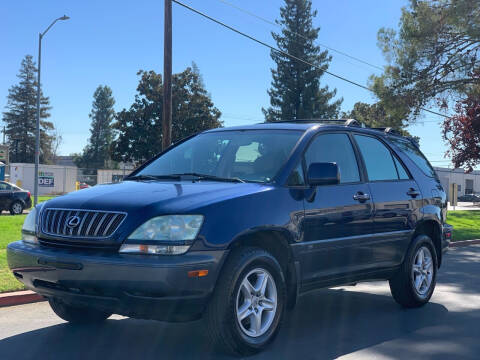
397, 200
338, 218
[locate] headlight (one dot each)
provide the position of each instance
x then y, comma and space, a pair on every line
166, 235
29, 228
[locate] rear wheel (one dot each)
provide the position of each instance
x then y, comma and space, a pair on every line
414, 283
16, 208
77, 314
247, 307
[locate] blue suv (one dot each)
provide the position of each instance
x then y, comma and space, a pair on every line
234, 224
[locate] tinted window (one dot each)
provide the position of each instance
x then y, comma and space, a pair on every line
296, 178
402, 173
335, 148
414, 153
4, 187
378, 159
252, 155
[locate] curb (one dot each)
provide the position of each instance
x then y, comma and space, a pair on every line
464, 243
19, 298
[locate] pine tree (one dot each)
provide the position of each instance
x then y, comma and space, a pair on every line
96, 153
296, 91
20, 117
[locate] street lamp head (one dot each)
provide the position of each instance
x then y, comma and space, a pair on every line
64, 17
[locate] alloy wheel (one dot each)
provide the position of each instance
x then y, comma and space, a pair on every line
422, 271
17, 208
256, 302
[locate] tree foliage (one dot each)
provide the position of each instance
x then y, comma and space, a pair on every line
296, 91
138, 130
432, 56
462, 133
21, 114
376, 115
97, 152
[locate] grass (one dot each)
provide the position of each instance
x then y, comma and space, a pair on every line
466, 227
10, 227
10, 230
466, 224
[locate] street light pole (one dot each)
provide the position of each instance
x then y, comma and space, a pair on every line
167, 77
37, 127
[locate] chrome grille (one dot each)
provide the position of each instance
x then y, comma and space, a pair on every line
89, 223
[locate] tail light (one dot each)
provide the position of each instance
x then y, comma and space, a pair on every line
28, 193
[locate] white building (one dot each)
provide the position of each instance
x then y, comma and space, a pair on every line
52, 179
468, 183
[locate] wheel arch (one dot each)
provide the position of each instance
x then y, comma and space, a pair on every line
433, 230
276, 242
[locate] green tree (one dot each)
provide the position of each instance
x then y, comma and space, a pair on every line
97, 152
20, 117
138, 130
376, 115
296, 92
432, 56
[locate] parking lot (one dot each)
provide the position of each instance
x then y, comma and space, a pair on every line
354, 322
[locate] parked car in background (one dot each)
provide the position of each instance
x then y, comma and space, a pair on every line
14, 199
234, 223
83, 185
469, 198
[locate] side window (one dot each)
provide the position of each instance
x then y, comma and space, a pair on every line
378, 159
296, 178
415, 155
335, 148
402, 173
4, 187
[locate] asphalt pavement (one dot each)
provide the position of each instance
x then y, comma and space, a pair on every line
354, 322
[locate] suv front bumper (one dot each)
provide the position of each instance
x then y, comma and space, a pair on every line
141, 286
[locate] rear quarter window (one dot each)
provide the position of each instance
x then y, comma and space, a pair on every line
414, 153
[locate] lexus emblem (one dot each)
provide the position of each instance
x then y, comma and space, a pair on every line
73, 221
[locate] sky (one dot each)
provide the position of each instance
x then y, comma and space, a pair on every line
107, 42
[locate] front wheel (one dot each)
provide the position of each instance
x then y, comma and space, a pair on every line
414, 283
16, 208
246, 310
77, 314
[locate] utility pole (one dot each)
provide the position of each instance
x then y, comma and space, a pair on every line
4, 133
167, 77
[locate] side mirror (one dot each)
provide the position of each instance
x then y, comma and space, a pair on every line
323, 174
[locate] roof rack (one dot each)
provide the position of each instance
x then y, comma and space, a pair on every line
345, 122
388, 130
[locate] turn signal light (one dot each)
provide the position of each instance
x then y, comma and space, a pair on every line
197, 273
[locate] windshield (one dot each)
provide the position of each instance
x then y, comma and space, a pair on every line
254, 155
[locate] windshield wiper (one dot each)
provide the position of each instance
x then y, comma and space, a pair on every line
153, 177
210, 177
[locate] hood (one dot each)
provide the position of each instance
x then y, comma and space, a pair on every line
161, 197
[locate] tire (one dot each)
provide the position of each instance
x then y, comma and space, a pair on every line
404, 285
77, 315
16, 208
230, 299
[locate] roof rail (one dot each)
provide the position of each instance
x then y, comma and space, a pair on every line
388, 130
345, 122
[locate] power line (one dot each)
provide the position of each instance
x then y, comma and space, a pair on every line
283, 52
252, 14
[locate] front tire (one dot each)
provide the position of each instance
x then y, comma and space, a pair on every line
16, 208
246, 310
77, 314
414, 283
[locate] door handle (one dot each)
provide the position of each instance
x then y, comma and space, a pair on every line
360, 196
412, 192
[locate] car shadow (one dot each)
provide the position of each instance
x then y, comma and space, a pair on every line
325, 324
